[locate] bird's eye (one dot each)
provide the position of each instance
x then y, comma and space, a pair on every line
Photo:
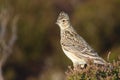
63, 20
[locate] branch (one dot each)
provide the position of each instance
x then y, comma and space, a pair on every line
108, 56
6, 49
4, 17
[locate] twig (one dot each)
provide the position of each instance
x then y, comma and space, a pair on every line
108, 56
4, 17
6, 49
14, 31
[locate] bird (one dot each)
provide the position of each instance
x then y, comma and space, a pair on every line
74, 46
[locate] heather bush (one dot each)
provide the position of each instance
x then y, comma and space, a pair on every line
92, 71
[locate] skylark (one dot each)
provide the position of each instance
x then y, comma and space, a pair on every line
74, 46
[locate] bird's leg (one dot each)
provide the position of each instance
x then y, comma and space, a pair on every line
75, 66
79, 66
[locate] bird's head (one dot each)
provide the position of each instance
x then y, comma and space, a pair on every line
63, 20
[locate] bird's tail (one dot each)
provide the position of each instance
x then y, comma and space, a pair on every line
100, 60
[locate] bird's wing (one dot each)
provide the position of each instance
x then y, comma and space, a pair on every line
79, 47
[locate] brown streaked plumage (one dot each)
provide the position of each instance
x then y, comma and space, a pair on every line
73, 45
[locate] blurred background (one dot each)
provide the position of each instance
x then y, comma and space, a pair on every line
37, 54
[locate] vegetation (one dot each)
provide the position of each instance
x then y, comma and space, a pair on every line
110, 71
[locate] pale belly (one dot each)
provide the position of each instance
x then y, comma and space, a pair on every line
74, 58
